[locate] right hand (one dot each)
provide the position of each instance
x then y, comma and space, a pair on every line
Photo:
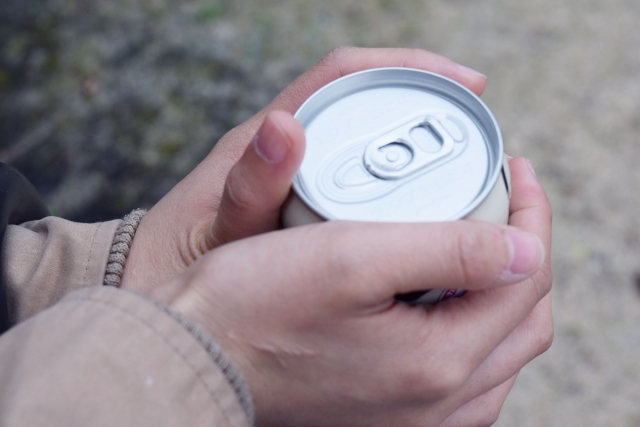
309, 316
191, 219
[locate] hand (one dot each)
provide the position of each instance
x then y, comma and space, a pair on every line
308, 314
529, 210
193, 217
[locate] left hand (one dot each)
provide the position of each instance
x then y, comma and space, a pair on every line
308, 314
195, 216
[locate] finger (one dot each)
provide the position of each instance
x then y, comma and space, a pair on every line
530, 210
347, 60
483, 410
259, 183
209, 176
211, 173
341, 62
363, 265
482, 320
530, 339
463, 254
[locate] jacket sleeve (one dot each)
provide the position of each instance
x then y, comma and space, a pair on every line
104, 356
45, 260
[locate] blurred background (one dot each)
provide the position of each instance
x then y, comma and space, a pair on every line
106, 104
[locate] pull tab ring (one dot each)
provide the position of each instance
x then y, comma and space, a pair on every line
396, 155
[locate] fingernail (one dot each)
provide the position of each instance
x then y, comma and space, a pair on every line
533, 171
527, 252
509, 158
471, 71
271, 148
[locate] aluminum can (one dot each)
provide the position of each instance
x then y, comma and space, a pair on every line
399, 145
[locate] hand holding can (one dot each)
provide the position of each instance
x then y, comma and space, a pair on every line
448, 365
399, 145
309, 316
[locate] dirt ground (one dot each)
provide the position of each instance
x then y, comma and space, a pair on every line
104, 105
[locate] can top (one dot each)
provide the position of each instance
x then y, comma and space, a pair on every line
397, 144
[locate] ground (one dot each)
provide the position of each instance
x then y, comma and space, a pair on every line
104, 105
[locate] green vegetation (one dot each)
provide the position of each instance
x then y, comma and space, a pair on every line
209, 12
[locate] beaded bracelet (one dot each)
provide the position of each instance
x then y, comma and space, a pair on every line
121, 246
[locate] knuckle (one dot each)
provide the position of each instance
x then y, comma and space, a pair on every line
337, 57
538, 332
543, 209
433, 380
483, 412
446, 382
490, 415
545, 341
543, 282
337, 54
544, 335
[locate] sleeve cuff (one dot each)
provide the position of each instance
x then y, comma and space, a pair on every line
107, 356
47, 259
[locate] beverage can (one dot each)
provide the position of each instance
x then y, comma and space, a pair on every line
399, 145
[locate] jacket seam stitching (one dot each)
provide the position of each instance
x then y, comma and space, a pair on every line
176, 349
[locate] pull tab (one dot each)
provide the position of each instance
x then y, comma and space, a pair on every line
374, 165
396, 154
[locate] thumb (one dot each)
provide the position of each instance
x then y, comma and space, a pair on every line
259, 183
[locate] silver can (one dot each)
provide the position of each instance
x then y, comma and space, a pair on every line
399, 145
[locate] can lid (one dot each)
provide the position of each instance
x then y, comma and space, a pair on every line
397, 144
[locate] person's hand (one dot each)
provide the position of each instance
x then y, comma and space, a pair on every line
309, 316
529, 210
190, 219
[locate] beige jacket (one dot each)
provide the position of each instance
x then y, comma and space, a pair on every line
82, 354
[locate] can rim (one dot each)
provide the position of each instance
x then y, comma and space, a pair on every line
298, 182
